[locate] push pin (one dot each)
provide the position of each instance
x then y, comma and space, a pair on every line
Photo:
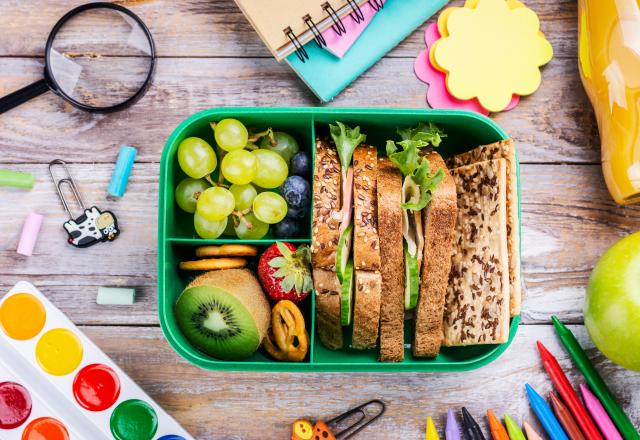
93, 225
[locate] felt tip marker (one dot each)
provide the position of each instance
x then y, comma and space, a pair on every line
564, 388
497, 430
432, 433
597, 385
565, 418
515, 433
470, 427
599, 414
452, 430
545, 416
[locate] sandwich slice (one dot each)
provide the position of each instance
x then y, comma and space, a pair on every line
477, 302
503, 150
390, 214
327, 290
366, 249
439, 220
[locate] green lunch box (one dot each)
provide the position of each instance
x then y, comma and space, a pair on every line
177, 238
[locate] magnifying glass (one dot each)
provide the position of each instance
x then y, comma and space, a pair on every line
100, 57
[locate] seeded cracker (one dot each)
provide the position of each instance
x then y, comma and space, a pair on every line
477, 302
502, 150
325, 232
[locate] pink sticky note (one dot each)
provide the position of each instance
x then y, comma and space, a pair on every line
340, 44
437, 95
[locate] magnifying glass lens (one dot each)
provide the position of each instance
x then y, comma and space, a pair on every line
100, 57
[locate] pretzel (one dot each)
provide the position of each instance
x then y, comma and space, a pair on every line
287, 339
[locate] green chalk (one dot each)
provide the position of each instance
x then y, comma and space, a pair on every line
119, 296
17, 179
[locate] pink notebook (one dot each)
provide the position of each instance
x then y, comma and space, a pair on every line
340, 44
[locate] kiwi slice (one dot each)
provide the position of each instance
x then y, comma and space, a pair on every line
411, 280
224, 313
346, 294
343, 251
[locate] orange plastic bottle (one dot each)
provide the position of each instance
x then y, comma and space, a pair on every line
609, 54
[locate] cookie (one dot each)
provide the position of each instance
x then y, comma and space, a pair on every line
227, 250
214, 264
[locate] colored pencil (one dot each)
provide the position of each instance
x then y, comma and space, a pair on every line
531, 433
594, 380
599, 414
470, 427
564, 388
565, 418
515, 433
431, 433
452, 431
497, 430
545, 416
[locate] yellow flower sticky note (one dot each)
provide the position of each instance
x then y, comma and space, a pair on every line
491, 52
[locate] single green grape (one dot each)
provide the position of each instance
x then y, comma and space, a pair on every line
272, 169
257, 230
269, 207
286, 146
239, 167
244, 195
187, 193
210, 229
231, 134
196, 157
215, 203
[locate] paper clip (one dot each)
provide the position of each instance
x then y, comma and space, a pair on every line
359, 417
93, 225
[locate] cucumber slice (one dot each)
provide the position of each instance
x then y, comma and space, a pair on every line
343, 251
346, 294
411, 280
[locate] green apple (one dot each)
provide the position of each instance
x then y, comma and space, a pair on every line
612, 304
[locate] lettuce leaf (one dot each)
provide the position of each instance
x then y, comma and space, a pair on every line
346, 140
424, 132
427, 183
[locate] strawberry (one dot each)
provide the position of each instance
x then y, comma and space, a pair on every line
284, 272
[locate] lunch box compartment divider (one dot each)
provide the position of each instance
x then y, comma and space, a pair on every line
177, 239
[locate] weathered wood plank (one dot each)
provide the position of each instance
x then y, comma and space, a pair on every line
214, 405
553, 125
557, 258
217, 28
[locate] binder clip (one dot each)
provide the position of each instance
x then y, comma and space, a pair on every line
93, 225
342, 427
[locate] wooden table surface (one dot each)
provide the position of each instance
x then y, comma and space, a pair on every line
209, 57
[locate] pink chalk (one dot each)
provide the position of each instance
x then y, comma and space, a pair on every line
437, 95
340, 44
30, 232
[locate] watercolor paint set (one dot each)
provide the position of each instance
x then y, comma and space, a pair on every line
47, 362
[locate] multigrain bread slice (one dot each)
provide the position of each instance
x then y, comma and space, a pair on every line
439, 219
366, 245
327, 290
389, 195
503, 150
366, 309
326, 207
477, 302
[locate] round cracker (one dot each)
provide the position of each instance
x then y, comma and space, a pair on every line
214, 264
227, 250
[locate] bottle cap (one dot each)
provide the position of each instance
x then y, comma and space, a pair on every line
120, 176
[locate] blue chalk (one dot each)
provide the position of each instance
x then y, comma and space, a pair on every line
120, 176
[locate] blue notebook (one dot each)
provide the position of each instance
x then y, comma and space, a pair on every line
327, 75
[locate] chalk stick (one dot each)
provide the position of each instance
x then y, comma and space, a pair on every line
29, 235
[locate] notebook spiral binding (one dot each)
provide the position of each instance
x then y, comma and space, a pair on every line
338, 26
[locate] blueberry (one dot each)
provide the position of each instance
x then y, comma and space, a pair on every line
300, 164
296, 191
287, 228
296, 212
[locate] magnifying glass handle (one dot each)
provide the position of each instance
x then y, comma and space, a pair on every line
23, 95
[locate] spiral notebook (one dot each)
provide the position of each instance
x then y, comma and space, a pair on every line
286, 26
